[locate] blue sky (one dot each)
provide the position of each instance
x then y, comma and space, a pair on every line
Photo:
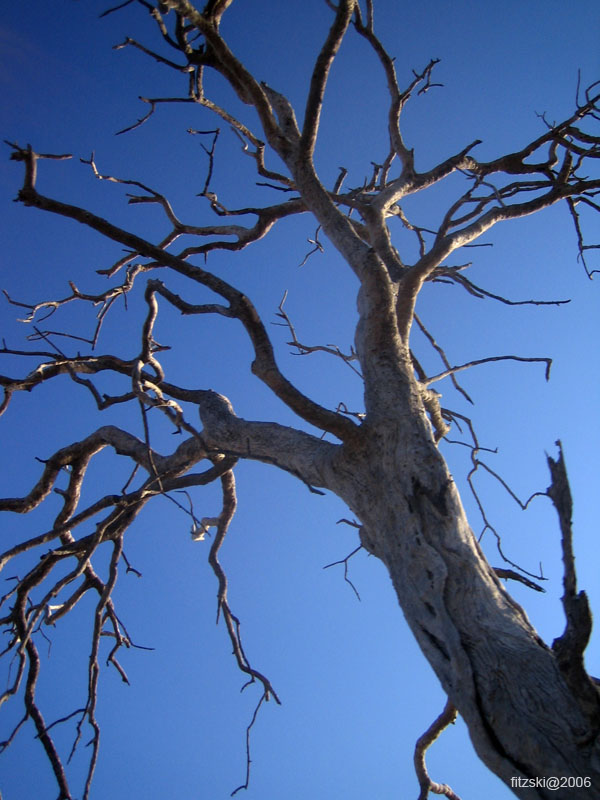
356, 692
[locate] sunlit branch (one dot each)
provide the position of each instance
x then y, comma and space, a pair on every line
446, 718
122, 442
258, 156
246, 86
398, 98
323, 62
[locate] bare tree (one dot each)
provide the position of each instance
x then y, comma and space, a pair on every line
531, 709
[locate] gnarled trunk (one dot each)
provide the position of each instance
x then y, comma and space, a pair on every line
532, 711
524, 721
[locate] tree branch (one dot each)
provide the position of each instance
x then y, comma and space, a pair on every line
570, 647
447, 717
264, 365
314, 103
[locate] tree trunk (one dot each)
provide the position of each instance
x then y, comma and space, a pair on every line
504, 680
531, 710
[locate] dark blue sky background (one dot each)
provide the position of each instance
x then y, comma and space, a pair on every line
356, 692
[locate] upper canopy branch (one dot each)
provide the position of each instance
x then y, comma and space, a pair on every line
379, 198
562, 133
367, 244
278, 120
266, 217
314, 103
216, 53
398, 98
489, 210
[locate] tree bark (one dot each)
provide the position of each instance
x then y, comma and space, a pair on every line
532, 711
523, 720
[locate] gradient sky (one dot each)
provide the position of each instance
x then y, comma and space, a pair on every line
356, 691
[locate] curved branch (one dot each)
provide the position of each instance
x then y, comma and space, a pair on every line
314, 102
446, 718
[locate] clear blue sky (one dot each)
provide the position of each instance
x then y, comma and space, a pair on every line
356, 692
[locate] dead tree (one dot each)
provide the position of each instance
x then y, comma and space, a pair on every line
531, 709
